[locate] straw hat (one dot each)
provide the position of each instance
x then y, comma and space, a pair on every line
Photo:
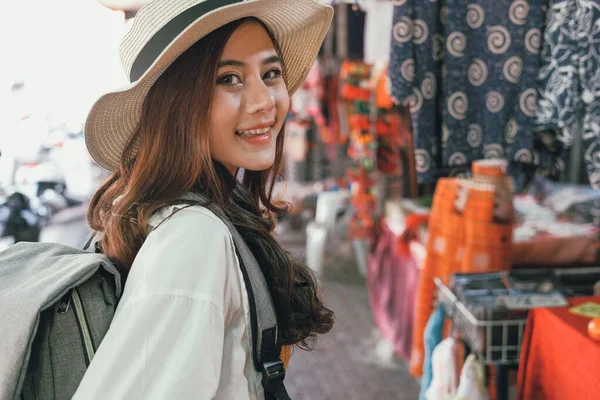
164, 29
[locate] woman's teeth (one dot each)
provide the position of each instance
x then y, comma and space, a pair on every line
253, 132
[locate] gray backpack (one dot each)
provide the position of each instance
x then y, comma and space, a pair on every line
57, 303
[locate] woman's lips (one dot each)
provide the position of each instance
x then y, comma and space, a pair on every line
257, 139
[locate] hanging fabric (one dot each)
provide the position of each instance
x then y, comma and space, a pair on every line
472, 381
445, 371
569, 102
355, 32
467, 70
433, 336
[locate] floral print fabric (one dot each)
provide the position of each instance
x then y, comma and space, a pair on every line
569, 101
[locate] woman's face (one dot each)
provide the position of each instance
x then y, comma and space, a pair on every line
250, 101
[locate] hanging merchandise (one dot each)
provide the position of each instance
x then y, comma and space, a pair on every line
375, 135
445, 371
433, 337
302, 147
472, 381
362, 147
388, 126
313, 140
468, 70
389, 140
355, 28
393, 277
305, 105
331, 133
569, 103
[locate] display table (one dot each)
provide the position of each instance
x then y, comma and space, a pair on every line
558, 358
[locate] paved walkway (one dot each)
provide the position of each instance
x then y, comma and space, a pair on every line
351, 362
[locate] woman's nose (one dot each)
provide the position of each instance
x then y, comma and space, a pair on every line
259, 98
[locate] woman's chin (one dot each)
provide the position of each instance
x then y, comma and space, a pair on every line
258, 165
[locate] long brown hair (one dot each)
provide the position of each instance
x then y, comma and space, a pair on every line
168, 156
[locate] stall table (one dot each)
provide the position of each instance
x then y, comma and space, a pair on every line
558, 358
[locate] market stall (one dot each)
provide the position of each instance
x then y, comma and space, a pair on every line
456, 153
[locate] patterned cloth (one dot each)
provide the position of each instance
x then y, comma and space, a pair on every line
467, 69
569, 101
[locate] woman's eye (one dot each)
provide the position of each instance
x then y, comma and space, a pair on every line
272, 74
229, 80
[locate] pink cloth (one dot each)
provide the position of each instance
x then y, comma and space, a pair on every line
392, 282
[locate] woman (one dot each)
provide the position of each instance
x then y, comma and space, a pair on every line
211, 87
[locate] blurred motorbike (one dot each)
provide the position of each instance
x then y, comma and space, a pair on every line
60, 174
19, 221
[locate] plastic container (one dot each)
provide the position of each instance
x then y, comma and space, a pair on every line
328, 205
361, 252
494, 172
316, 235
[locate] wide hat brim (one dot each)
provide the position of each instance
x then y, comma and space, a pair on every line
299, 26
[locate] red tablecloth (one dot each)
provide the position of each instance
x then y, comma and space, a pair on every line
558, 358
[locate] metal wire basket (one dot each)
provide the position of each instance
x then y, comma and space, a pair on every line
495, 341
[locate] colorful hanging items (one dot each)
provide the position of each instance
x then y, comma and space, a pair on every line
362, 224
331, 132
388, 125
375, 137
362, 147
412, 232
389, 142
306, 102
383, 98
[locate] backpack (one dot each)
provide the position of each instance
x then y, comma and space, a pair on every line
57, 303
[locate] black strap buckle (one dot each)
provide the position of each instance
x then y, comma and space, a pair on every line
273, 373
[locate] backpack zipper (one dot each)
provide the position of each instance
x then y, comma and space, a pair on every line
83, 327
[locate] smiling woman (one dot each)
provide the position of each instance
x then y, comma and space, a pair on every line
211, 87
250, 101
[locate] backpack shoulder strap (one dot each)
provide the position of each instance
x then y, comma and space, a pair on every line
265, 332
266, 337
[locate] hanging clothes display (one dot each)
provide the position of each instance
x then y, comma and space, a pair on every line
467, 70
355, 32
569, 102
445, 371
433, 337
362, 147
387, 126
392, 281
472, 381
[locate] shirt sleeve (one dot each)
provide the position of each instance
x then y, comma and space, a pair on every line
166, 340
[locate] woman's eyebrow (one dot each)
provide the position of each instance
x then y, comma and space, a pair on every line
234, 63
273, 59
237, 63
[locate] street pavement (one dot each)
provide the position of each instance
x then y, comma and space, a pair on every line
352, 362
349, 363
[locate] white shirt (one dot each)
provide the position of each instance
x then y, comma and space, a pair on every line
181, 329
